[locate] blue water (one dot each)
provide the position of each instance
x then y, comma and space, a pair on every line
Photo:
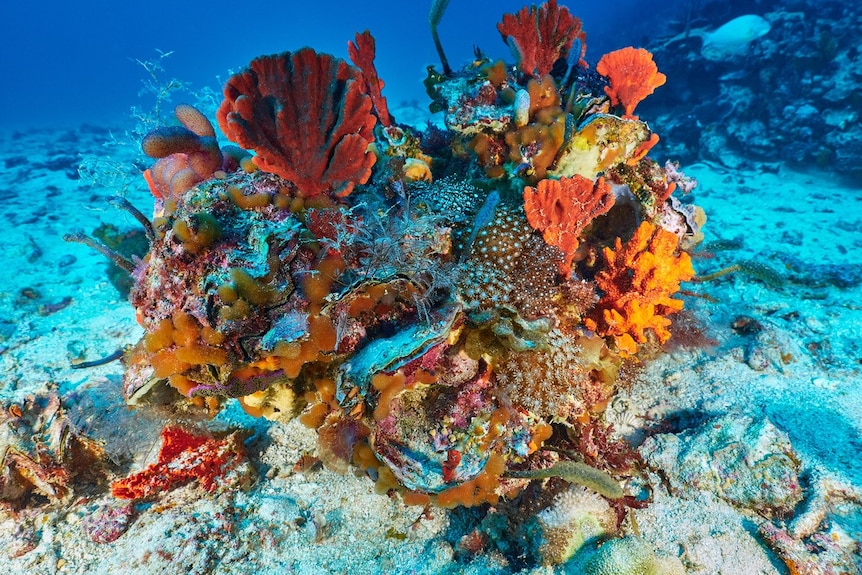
68, 63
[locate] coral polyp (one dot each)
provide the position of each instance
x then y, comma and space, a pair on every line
448, 312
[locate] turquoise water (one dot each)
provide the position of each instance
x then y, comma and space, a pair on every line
748, 420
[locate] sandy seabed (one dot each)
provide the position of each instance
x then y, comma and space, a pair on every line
798, 374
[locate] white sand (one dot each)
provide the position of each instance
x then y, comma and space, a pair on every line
321, 522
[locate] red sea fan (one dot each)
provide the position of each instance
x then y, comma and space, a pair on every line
542, 36
306, 117
362, 52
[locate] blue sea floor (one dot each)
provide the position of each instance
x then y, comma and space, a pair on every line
763, 372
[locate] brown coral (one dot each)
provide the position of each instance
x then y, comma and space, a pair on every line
637, 283
306, 117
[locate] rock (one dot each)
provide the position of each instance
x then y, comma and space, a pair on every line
748, 463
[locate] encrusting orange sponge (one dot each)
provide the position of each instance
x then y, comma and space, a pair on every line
637, 282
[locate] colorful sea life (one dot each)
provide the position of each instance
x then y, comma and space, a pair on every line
43, 452
732, 38
637, 283
540, 36
215, 463
633, 76
446, 312
307, 119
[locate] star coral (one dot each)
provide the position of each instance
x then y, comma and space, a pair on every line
637, 282
561, 209
633, 76
306, 117
541, 36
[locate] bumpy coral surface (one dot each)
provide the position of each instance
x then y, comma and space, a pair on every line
453, 327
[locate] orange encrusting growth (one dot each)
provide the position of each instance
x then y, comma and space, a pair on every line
535, 146
633, 76
181, 342
637, 281
561, 209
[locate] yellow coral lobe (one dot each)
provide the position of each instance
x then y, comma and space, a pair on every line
480, 489
415, 170
211, 336
386, 480
239, 310
543, 94
287, 349
181, 383
317, 284
186, 329
389, 387
314, 415
202, 355
227, 294
247, 164
166, 363
416, 498
250, 289
541, 434
244, 202
495, 73
161, 337
322, 332
200, 231
253, 404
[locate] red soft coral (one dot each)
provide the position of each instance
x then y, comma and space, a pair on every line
561, 209
362, 55
542, 36
306, 117
637, 281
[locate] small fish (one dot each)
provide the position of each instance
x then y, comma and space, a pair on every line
483, 218
306, 462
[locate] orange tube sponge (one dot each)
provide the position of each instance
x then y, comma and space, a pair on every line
561, 209
637, 281
633, 76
